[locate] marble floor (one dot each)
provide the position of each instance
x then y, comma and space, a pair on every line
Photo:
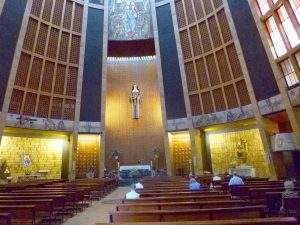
99, 211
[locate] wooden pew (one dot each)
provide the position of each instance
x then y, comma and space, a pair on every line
164, 189
5, 218
252, 221
21, 214
182, 193
258, 195
191, 198
180, 205
273, 201
189, 215
43, 207
52, 207
292, 206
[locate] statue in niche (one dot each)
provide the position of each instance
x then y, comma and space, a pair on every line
242, 148
135, 99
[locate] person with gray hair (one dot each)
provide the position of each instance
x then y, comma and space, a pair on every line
132, 194
235, 180
289, 192
289, 187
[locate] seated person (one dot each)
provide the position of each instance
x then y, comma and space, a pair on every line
289, 192
235, 180
194, 185
216, 177
139, 186
132, 195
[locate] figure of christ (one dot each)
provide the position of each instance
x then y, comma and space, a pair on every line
135, 100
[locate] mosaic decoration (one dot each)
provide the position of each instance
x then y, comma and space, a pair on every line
227, 151
241, 113
14, 120
295, 95
97, 2
88, 154
130, 20
182, 153
28, 156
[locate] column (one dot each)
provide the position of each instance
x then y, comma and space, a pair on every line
198, 147
104, 91
72, 149
167, 148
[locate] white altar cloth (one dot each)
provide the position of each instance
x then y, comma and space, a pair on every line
135, 167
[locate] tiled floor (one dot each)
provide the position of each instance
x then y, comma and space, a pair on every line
99, 211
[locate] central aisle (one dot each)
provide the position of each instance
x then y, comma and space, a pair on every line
99, 211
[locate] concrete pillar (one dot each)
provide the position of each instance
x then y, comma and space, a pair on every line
72, 149
197, 145
167, 147
104, 91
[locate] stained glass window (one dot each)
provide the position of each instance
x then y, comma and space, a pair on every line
278, 47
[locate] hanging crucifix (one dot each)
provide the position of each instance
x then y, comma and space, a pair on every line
135, 99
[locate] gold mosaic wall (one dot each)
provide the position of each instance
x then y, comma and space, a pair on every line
224, 151
181, 149
44, 153
88, 153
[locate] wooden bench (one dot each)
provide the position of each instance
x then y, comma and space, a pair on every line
189, 215
5, 218
180, 205
191, 198
292, 206
183, 193
21, 214
258, 195
252, 221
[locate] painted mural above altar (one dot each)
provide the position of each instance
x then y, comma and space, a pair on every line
130, 20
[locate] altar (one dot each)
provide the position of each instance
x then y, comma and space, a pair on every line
243, 171
132, 173
135, 167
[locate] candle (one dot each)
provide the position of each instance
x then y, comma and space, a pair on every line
118, 165
151, 164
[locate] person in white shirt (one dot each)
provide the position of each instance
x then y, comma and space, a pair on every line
217, 177
132, 195
235, 180
139, 186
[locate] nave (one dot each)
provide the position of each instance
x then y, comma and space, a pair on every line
161, 201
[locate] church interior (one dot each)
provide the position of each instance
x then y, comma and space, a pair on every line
150, 112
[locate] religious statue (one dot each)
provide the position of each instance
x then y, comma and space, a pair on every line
130, 18
135, 99
242, 147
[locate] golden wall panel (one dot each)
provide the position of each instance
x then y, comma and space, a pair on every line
180, 145
224, 151
45, 154
88, 153
135, 139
